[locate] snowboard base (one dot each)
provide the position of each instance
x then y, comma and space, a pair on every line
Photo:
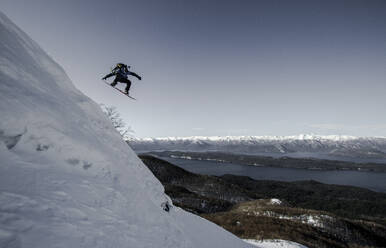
119, 90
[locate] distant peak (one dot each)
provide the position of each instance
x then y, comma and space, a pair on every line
246, 138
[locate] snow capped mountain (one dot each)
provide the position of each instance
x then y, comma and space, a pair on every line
250, 138
66, 177
331, 146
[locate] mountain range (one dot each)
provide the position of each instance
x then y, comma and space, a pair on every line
339, 147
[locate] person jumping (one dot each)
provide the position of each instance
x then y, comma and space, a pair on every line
121, 71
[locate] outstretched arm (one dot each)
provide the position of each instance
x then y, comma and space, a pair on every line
135, 75
107, 76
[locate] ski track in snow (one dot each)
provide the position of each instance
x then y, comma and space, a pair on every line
67, 179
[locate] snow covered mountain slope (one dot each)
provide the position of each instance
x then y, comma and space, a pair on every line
275, 243
66, 177
328, 147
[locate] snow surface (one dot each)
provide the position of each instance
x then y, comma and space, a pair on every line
275, 201
274, 243
67, 179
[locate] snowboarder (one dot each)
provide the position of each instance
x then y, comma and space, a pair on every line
121, 71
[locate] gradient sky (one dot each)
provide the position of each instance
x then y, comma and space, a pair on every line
224, 67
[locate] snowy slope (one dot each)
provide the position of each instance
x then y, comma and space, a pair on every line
66, 177
274, 243
330, 146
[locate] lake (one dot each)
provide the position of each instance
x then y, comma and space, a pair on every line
370, 180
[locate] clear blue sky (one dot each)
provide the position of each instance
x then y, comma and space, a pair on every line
224, 67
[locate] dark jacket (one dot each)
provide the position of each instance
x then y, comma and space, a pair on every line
121, 72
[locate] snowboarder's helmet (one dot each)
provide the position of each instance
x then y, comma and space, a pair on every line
120, 65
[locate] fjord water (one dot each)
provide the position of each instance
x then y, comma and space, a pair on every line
370, 180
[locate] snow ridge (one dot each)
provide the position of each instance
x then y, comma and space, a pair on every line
310, 137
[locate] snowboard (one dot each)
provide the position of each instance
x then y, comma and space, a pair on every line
119, 90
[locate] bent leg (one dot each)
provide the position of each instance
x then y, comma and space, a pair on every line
127, 82
114, 82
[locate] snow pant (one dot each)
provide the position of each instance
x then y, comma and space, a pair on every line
122, 80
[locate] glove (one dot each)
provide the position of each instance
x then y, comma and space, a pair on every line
140, 78
104, 78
